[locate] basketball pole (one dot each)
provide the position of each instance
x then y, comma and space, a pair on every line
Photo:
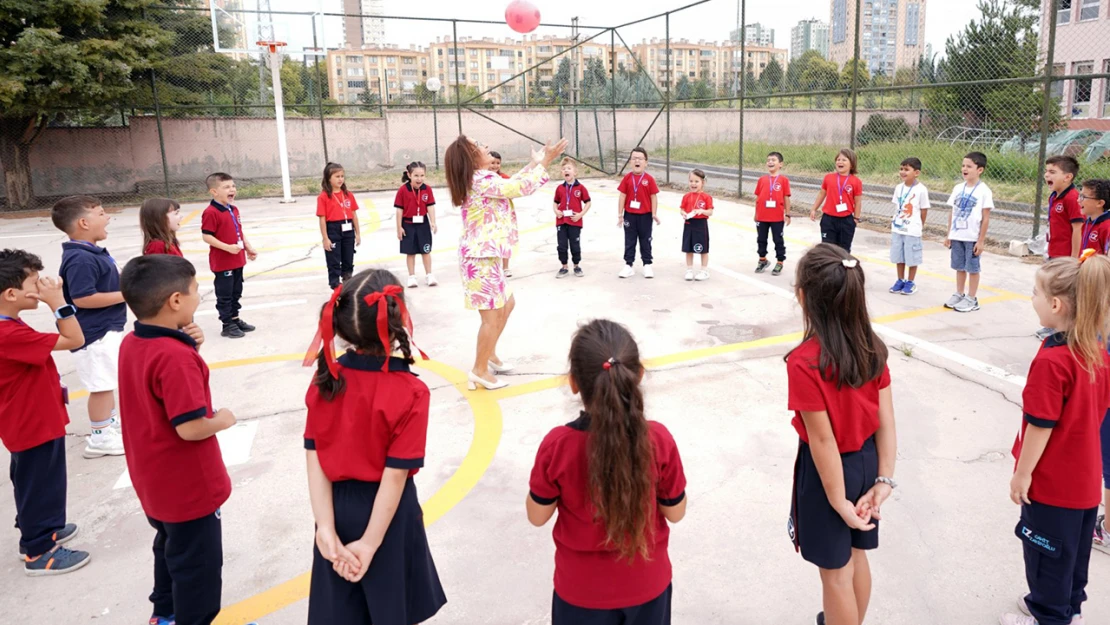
279, 114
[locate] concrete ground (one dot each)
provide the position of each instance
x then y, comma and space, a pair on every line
716, 379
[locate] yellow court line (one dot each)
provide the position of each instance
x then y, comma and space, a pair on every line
189, 217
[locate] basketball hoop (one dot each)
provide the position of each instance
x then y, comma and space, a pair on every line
272, 46
279, 114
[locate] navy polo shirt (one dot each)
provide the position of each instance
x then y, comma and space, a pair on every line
88, 269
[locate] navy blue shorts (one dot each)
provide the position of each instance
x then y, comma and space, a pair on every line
814, 526
695, 236
418, 238
654, 612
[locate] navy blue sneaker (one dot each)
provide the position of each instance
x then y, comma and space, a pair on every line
57, 561
61, 537
909, 288
898, 286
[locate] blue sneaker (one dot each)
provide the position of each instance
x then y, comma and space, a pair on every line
57, 561
909, 288
161, 620
898, 286
61, 537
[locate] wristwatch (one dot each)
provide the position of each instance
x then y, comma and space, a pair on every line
886, 480
65, 312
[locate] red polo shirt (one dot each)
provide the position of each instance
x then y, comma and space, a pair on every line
1063, 213
224, 224
853, 412
379, 421
841, 189
163, 383
32, 410
775, 189
1061, 396
339, 206
588, 574
159, 247
573, 199
696, 201
1096, 234
639, 188
414, 201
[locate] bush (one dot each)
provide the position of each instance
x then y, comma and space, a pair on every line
880, 128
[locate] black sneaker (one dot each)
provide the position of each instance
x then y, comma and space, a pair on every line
562, 273
762, 266
777, 270
578, 272
232, 331
820, 618
243, 325
61, 537
57, 561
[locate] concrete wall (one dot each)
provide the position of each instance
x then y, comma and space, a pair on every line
119, 160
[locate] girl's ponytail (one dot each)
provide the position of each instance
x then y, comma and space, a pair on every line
405, 177
1092, 309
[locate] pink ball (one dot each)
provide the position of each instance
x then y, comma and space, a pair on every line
522, 16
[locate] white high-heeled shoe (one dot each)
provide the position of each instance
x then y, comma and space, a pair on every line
473, 382
504, 367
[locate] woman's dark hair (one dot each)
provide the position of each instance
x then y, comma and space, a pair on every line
152, 221
830, 286
357, 323
329, 170
460, 161
406, 176
621, 457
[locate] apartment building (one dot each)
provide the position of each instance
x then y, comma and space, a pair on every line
390, 69
717, 63
806, 35
892, 33
1082, 47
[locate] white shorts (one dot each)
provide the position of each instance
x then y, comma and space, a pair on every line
98, 363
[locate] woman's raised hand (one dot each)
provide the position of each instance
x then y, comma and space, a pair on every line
549, 152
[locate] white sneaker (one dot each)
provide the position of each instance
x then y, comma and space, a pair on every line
648, 271
117, 424
413, 283
432, 280
627, 272
106, 442
689, 275
955, 299
702, 275
1016, 619
508, 273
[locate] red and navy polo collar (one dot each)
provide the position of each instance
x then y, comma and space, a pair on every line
84, 246
221, 207
1101, 218
582, 423
1060, 339
147, 331
411, 190
1060, 196
573, 184
367, 362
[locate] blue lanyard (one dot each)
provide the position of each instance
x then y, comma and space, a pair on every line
235, 221
636, 186
902, 200
7, 318
840, 186
567, 188
771, 190
1088, 227
964, 196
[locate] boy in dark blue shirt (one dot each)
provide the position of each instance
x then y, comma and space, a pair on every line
90, 281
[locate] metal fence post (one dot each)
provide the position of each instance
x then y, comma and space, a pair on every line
855, 76
161, 138
455, 47
435, 128
667, 97
320, 86
613, 94
1046, 106
743, 25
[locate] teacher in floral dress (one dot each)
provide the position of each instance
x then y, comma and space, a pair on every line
483, 197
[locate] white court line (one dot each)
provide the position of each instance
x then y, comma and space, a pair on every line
937, 350
235, 445
279, 304
31, 236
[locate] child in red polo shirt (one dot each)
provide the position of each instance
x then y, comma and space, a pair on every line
230, 249
335, 206
159, 219
772, 210
637, 209
514, 233
364, 441
572, 202
416, 221
1056, 476
1095, 204
697, 208
173, 456
33, 414
1065, 219
839, 201
616, 480
844, 416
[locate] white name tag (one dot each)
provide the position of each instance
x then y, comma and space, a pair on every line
686, 215
842, 208
634, 205
771, 204
240, 244
417, 219
347, 226
568, 213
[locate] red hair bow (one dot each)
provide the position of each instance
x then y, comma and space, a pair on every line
381, 298
325, 337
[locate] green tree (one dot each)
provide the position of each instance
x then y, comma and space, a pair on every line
770, 80
423, 94
560, 84
797, 68
595, 82
683, 90
370, 101
702, 91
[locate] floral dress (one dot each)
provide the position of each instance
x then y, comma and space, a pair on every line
488, 233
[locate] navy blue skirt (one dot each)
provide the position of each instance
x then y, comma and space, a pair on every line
401, 586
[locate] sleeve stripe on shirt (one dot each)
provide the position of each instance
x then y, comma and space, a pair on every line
1039, 422
403, 463
208, 232
192, 415
310, 444
399, 206
672, 502
543, 501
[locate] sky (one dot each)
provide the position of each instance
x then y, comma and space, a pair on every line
711, 21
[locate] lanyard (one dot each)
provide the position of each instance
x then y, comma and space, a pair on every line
7, 318
902, 200
1088, 228
567, 189
343, 205
840, 186
235, 221
636, 186
1053, 196
964, 196
416, 197
771, 189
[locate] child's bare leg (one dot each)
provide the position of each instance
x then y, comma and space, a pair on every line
505, 263
913, 273
973, 287
961, 282
838, 595
410, 260
690, 261
902, 271
427, 258
704, 261
101, 406
861, 581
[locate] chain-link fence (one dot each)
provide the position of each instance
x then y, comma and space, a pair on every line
1021, 82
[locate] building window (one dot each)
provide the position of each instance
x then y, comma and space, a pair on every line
1081, 103
391, 59
373, 60
474, 65
356, 84
913, 17
489, 77
390, 72
354, 59
474, 77
474, 53
1088, 10
355, 71
339, 71
339, 86
408, 61
1063, 14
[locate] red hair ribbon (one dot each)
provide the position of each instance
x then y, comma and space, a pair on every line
325, 337
380, 297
